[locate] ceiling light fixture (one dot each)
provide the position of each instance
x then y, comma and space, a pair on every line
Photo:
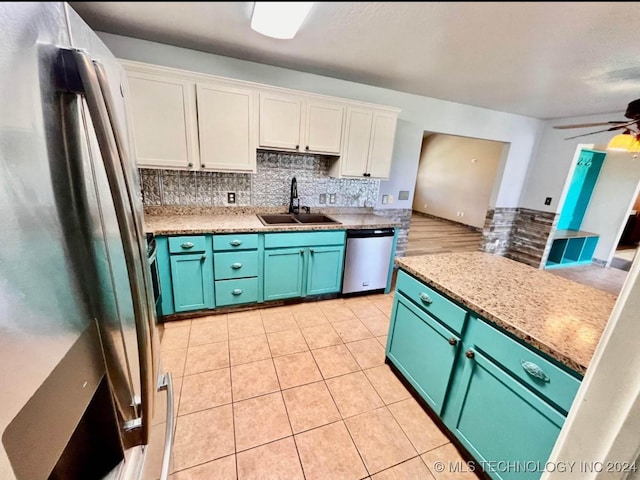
279, 19
624, 142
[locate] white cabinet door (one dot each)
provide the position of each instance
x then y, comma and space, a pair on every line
226, 124
280, 121
355, 155
383, 134
163, 118
323, 127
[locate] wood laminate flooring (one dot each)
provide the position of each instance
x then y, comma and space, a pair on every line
430, 235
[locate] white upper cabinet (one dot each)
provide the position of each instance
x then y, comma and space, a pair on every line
226, 127
162, 109
368, 144
300, 124
280, 121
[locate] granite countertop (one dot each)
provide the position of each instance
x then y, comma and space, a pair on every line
560, 317
187, 224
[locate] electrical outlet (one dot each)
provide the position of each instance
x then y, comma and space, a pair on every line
385, 199
231, 197
462, 214
323, 198
547, 201
425, 205
390, 198
332, 198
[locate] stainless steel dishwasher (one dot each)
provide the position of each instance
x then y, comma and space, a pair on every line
367, 260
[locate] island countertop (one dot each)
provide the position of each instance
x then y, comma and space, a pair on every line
175, 224
560, 317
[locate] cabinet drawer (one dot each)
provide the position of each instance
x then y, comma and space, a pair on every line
243, 241
556, 385
236, 292
431, 301
187, 244
304, 239
227, 265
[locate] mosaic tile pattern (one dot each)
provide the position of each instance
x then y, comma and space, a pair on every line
268, 187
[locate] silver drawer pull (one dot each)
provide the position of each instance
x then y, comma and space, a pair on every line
236, 266
534, 370
425, 298
235, 243
187, 245
237, 291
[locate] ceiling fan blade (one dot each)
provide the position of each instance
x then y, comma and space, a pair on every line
584, 125
597, 131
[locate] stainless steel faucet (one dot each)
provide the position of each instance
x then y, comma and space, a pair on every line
294, 201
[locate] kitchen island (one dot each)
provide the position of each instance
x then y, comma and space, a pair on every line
494, 348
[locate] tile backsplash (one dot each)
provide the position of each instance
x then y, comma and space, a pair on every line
268, 187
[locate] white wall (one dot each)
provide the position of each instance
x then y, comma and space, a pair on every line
449, 181
552, 160
419, 114
613, 198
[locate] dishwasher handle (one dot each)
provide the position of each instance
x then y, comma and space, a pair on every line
371, 232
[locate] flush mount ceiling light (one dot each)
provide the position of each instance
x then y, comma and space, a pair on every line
279, 19
624, 142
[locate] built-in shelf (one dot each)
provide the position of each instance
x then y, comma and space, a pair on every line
571, 247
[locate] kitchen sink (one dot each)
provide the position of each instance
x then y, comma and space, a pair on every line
290, 219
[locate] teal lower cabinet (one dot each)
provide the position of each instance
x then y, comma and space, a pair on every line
283, 273
301, 264
236, 292
504, 400
423, 350
500, 421
192, 280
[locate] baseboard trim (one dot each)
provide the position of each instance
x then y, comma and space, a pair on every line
428, 215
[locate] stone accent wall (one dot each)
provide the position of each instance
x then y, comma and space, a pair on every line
402, 215
530, 236
268, 187
498, 227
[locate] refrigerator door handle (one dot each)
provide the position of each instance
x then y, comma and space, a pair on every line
85, 80
166, 383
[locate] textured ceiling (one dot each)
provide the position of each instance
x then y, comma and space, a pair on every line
540, 59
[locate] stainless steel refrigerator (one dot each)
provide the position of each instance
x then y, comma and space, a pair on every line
80, 391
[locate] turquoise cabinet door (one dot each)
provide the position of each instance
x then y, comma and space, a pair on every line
500, 420
325, 270
423, 350
192, 278
283, 273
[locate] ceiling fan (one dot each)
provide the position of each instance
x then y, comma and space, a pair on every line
629, 127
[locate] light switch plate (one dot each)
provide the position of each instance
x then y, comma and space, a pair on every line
231, 197
323, 198
385, 199
332, 198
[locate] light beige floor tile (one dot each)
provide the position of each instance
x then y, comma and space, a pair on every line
273, 461
384, 303
203, 436
382, 340
368, 353
286, 342
220, 317
253, 379
221, 469
175, 338
310, 317
351, 330
260, 420
248, 349
328, 453
296, 369
353, 394
278, 321
209, 332
321, 336
244, 315
173, 361
413, 469
205, 390
245, 327
379, 439
364, 309
448, 456
376, 324
335, 360
337, 312
387, 385
418, 426
310, 406
176, 323
211, 356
